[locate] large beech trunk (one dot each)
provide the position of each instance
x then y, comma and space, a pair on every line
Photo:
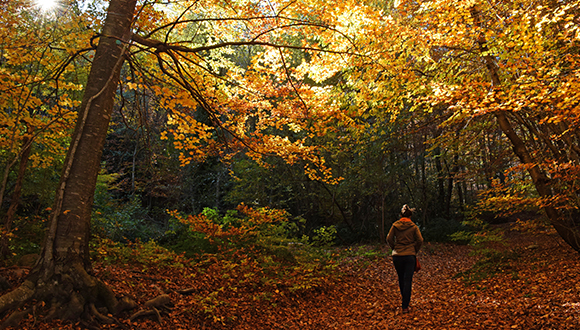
68, 233
61, 277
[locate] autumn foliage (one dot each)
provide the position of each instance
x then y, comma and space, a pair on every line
338, 111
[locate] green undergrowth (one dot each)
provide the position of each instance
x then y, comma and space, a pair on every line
490, 263
489, 247
253, 245
363, 254
256, 254
147, 254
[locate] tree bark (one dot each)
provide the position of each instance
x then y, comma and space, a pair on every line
562, 221
61, 275
69, 227
440, 182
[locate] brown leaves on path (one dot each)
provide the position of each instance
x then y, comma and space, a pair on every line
536, 290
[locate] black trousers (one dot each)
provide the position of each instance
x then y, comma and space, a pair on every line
405, 267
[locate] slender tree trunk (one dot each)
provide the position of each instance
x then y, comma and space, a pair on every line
564, 224
424, 202
15, 202
335, 202
382, 234
5, 175
449, 192
133, 165
440, 181
460, 196
61, 276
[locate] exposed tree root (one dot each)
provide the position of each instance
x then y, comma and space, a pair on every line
187, 291
68, 293
102, 318
17, 297
145, 313
158, 305
14, 319
162, 301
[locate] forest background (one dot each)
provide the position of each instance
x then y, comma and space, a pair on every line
270, 131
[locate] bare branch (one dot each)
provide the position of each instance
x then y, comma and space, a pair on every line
164, 47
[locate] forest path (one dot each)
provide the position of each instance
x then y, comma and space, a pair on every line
537, 288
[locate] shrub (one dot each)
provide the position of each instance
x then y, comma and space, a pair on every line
121, 222
144, 253
324, 236
483, 237
478, 234
259, 247
490, 263
442, 230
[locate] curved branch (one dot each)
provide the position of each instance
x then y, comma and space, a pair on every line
181, 80
286, 71
164, 47
225, 19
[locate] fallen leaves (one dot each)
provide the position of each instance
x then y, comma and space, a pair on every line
538, 291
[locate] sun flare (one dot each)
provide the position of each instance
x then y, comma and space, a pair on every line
47, 5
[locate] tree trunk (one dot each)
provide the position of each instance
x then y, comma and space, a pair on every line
440, 182
382, 234
15, 202
562, 221
564, 225
449, 192
61, 276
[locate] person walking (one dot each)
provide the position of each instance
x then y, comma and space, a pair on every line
405, 240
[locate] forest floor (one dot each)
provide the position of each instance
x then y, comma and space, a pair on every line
534, 286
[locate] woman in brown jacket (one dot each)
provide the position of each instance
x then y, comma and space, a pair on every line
405, 239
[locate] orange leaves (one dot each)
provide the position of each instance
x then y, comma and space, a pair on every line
232, 227
263, 215
188, 135
537, 290
256, 69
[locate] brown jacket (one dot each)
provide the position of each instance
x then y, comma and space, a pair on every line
404, 238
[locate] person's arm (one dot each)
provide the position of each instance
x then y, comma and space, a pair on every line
418, 239
391, 238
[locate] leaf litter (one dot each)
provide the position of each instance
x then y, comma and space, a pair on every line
538, 289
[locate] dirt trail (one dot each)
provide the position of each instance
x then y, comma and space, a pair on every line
539, 289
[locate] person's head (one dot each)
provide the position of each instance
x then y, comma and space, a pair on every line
406, 211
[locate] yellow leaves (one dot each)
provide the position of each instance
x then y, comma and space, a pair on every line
294, 127
533, 67
30, 105
132, 86
321, 67
189, 136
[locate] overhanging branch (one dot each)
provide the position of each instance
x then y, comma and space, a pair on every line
164, 47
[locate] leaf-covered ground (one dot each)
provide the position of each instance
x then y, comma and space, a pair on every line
535, 287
